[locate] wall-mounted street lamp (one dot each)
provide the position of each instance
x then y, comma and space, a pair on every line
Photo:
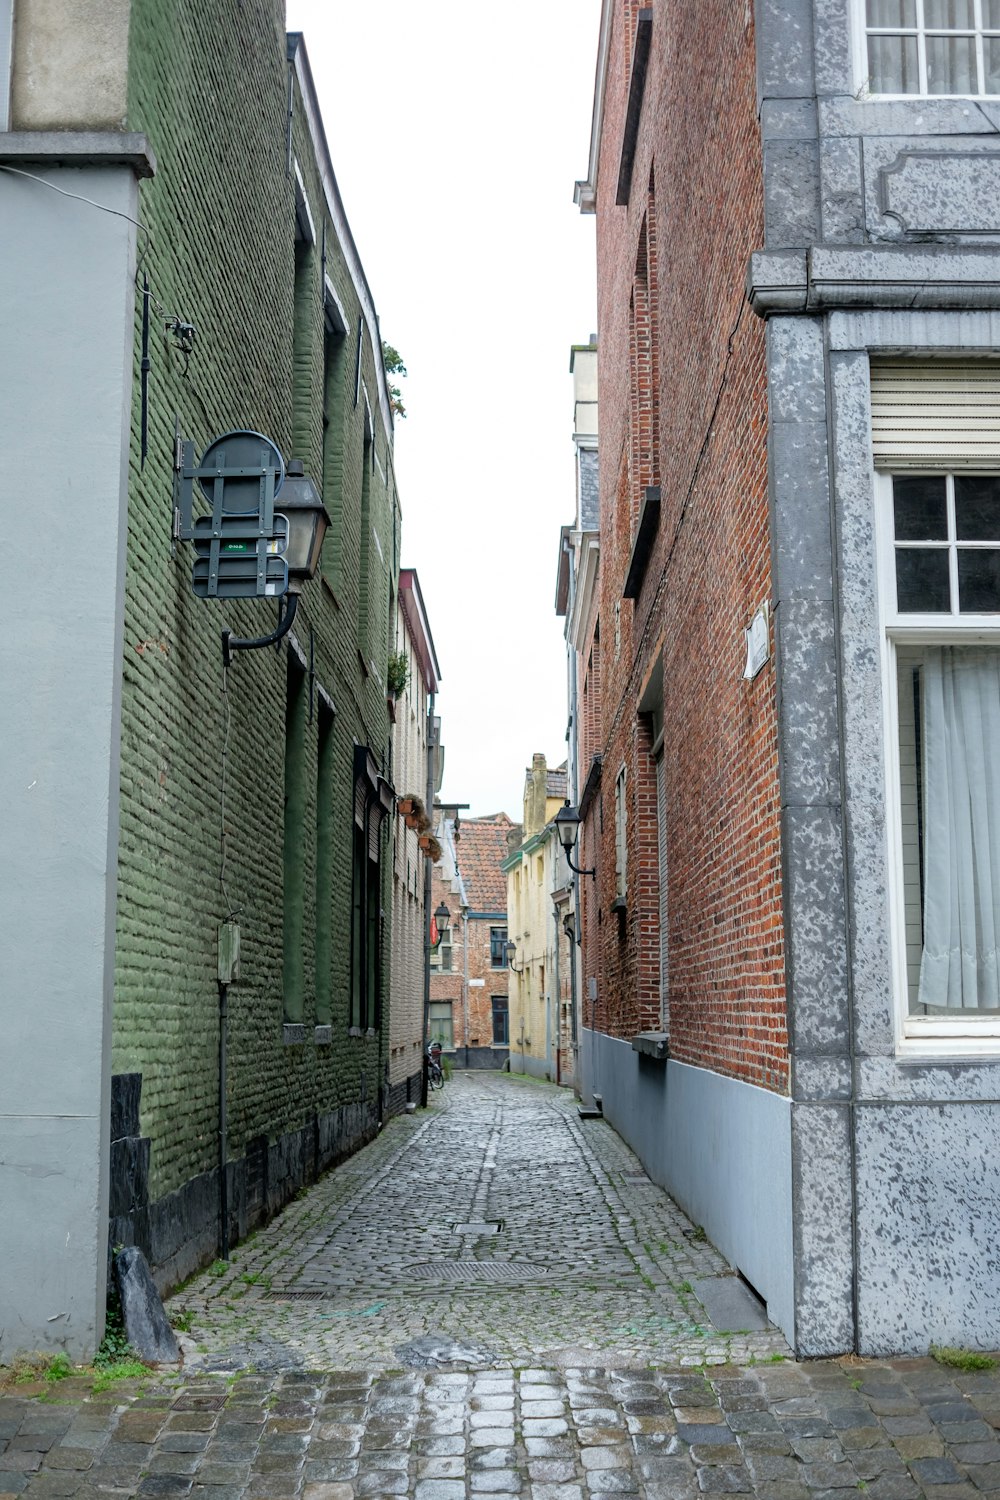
511, 950
442, 921
308, 519
567, 821
263, 534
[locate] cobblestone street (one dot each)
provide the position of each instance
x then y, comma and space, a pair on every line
492, 1299
498, 1219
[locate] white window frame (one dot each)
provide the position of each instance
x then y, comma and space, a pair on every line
861, 31
964, 1035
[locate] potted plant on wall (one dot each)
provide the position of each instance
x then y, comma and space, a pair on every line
397, 673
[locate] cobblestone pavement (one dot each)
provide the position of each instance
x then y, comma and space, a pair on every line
596, 1373
899, 1431
591, 1262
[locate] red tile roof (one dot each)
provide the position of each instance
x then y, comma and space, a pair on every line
481, 847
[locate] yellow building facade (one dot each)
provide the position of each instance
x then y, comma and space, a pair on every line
542, 1043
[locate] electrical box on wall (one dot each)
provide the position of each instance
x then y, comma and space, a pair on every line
229, 953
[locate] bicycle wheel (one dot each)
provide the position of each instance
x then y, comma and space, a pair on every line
437, 1079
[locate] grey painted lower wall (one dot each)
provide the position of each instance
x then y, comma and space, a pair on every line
66, 285
531, 1067
721, 1148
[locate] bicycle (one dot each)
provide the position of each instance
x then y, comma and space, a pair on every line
435, 1073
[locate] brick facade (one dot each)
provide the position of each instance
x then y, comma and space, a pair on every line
470, 882
683, 408
245, 244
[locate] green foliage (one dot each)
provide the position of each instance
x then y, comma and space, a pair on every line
121, 1369
182, 1320
59, 1368
218, 1268
256, 1278
962, 1359
397, 672
394, 366
114, 1347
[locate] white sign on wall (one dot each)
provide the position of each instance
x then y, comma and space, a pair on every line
758, 643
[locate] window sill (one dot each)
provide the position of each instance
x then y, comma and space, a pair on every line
293, 1034
619, 904
652, 1044
323, 1036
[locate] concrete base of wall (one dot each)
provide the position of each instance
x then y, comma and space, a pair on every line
721, 1148
531, 1067
406, 1091
480, 1059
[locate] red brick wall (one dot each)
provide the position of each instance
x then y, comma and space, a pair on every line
449, 986
683, 402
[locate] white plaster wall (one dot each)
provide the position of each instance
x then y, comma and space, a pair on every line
721, 1148
66, 307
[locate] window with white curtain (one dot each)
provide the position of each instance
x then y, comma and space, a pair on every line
933, 47
939, 537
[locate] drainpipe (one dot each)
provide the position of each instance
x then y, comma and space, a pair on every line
223, 1124
465, 981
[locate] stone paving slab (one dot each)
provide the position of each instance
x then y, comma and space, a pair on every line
495, 1217
778, 1430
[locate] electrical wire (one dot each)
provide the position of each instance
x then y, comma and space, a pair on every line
81, 198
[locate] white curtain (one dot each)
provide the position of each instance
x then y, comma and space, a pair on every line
960, 726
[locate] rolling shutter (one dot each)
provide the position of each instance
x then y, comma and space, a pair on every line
936, 415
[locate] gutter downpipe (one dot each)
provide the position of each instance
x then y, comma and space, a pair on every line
465, 982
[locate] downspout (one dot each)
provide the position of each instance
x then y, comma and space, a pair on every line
223, 1124
465, 981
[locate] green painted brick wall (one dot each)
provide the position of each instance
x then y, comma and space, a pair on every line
209, 87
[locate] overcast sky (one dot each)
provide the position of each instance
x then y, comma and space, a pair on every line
456, 134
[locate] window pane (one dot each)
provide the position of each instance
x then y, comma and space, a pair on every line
500, 1027
892, 12
949, 729
440, 1024
920, 509
922, 580
949, 15
951, 65
977, 508
978, 580
892, 65
991, 62
991, 15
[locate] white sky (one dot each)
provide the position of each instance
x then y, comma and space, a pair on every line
457, 132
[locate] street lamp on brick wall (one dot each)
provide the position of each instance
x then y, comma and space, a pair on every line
567, 821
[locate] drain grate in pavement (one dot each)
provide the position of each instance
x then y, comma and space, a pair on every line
476, 1270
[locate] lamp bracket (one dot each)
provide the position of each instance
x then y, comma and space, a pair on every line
231, 643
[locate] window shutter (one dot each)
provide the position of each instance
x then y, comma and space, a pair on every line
938, 414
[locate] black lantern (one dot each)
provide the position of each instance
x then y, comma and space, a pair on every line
308, 520
567, 821
442, 916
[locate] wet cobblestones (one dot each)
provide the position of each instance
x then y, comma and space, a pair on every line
780, 1431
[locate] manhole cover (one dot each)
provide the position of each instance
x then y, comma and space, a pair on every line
476, 1270
479, 1226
